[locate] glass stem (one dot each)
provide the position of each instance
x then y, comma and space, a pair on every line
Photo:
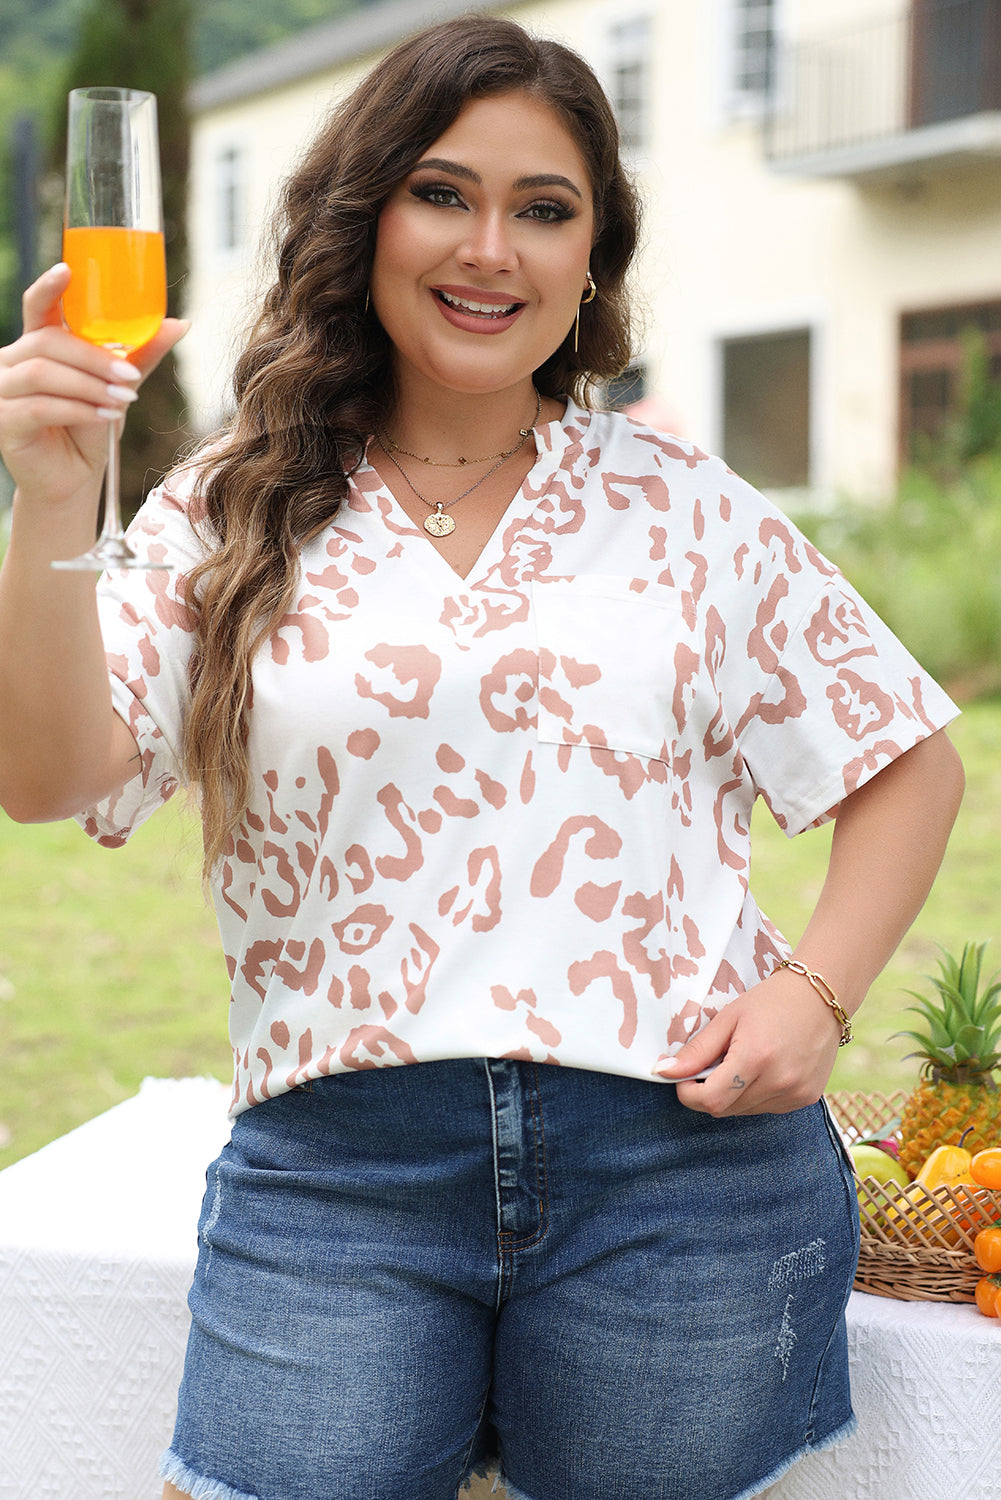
112, 525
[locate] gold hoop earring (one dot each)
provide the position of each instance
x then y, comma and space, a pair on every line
592, 292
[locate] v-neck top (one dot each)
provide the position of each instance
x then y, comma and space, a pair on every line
508, 815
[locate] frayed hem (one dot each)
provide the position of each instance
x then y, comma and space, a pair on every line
197, 1486
839, 1435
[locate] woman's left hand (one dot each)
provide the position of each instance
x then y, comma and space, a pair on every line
775, 1045
773, 1048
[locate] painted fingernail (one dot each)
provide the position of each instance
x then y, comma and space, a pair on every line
107, 415
122, 370
121, 393
59, 266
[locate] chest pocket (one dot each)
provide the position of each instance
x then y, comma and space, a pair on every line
616, 666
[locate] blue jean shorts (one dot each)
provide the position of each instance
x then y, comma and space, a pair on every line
408, 1274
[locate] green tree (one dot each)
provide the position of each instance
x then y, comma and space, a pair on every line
37, 37
146, 44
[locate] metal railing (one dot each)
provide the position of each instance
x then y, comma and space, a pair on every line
938, 60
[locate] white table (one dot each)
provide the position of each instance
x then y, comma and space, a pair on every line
97, 1244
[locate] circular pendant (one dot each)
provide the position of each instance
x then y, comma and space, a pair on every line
439, 524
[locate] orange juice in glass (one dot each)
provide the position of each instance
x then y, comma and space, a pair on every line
118, 294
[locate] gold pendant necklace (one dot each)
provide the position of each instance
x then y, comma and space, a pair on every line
439, 524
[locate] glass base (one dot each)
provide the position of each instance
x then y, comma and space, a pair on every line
107, 555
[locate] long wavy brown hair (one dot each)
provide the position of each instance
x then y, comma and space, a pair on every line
316, 377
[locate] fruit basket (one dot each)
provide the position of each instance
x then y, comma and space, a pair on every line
917, 1244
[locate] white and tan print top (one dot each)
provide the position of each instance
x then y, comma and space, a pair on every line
508, 815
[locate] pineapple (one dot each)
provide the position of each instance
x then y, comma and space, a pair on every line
960, 1049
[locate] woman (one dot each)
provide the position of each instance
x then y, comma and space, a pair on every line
478, 687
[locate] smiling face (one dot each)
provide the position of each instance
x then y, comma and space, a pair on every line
482, 250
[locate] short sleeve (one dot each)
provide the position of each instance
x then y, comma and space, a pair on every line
148, 637
845, 699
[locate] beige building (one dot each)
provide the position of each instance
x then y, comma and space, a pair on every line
823, 209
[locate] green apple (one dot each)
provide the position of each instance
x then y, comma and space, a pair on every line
870, 1161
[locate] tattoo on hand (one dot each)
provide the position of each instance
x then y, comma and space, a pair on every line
738, 1082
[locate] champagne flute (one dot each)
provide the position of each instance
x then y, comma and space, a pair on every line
113, 244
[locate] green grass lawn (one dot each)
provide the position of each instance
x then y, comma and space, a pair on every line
963, 905
110, 967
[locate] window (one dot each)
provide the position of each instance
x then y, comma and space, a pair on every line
955, 59
752, 47
629, 81
766, 408
626, 389
933, 357
230, 206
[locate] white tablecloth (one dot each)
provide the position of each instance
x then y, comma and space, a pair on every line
97, 1244
926, 1388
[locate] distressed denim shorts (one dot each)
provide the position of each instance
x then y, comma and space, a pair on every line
408, 1274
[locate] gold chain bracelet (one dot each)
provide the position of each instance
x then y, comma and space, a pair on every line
826, 994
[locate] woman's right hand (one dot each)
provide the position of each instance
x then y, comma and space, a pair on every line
62, 746
58, 393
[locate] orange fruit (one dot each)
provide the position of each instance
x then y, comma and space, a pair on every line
985, 1167
987, 1248
987, 1296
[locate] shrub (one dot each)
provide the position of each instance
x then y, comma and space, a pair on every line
930, 564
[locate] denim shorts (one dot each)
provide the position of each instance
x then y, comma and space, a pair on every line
408, 1274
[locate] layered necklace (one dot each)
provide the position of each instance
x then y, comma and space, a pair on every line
438, 523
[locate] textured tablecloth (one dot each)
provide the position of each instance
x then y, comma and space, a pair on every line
926, 1387
97, 1245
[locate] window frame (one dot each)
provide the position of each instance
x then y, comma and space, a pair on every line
740, 101
630, 42
230, 182
937, 354
794, 319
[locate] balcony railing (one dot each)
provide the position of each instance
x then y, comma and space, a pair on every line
922, 84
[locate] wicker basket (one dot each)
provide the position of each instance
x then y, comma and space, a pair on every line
917, 1245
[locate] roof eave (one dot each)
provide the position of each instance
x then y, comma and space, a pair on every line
320, 48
